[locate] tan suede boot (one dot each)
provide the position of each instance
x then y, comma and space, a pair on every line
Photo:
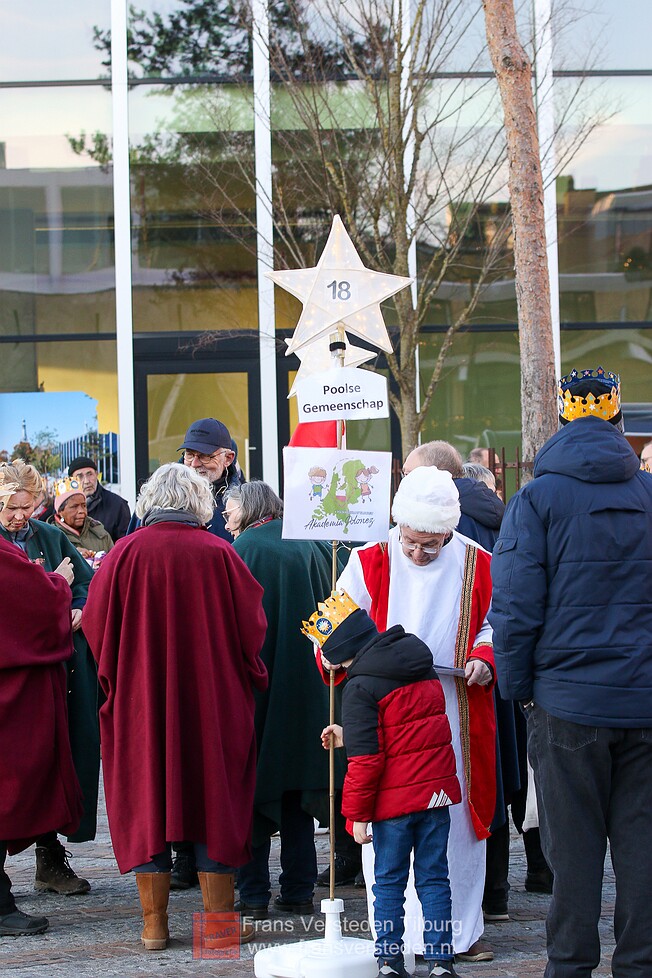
217, 890
154, 891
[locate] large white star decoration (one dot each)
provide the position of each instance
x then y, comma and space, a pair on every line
340, 289
316, 358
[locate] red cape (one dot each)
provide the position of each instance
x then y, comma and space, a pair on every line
175, 621
40, 792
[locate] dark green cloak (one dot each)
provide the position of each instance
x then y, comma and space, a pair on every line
290, 715
49, 545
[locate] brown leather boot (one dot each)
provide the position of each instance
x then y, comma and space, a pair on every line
54, 873
217, 890
154, 891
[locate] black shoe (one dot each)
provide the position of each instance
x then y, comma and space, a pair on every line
392, 969
286, 906
184, 871
359, 880
346, 871
252, 911
19, 924
495, 912
54, 873
539, 881
443, 969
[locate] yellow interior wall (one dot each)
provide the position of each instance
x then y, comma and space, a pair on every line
87, 367
215, 308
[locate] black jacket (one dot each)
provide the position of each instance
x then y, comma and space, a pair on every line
111, 510
482, 512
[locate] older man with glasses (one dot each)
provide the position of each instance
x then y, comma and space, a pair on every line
437, 584
208, 449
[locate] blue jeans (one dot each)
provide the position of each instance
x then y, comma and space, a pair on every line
393, 840
162, 861
594, 784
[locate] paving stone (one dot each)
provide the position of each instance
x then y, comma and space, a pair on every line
98, 935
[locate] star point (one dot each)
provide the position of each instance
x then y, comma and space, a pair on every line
340, 290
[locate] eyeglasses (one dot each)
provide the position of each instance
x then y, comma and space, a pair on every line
226, 516
411, 547
191, 456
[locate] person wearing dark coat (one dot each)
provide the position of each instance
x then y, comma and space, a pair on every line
35, 757
482, 509
178, 660
48, 546
292, 770
111, 510
482, 512
572, 621
209, 449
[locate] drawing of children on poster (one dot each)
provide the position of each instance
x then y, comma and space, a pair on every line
328, 494
363, 478
317, 476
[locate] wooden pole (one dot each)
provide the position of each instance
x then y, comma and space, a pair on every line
338, 348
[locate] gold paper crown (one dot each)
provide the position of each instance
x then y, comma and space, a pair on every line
573, 405
330, 613
65, 485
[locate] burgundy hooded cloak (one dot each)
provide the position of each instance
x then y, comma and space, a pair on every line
175, 621
40, 792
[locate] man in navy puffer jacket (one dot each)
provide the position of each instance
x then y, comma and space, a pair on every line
572, 620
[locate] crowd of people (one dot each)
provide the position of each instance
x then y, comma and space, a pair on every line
485, 659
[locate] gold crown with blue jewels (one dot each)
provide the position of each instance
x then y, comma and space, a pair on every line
574, 405
65, 485
329, 615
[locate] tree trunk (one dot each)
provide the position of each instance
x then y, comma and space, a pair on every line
514, 75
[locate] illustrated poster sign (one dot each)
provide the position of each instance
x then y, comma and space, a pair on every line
333, 494
343, 392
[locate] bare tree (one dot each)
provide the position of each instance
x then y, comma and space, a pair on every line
371, 120
405, 157
514, 75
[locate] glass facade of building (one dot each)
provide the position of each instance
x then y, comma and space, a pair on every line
192, 266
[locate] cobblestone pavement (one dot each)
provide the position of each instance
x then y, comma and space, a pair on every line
99, 934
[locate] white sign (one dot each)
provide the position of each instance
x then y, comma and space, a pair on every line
332, 494
344, 392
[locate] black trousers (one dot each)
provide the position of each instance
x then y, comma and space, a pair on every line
594, 785
298, 859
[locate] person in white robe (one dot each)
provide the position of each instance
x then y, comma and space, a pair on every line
436, 584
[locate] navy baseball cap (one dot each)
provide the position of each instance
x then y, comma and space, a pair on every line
206, 436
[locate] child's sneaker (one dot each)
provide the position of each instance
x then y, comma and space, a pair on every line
392, 969
443, 969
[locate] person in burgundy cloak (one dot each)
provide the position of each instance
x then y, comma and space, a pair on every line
176, 624
40, 788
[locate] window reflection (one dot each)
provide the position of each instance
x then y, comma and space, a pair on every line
64, 366
603, 34
56, 216
193, 209
40, 41
605, 213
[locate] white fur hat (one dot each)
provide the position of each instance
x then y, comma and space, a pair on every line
427, 501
